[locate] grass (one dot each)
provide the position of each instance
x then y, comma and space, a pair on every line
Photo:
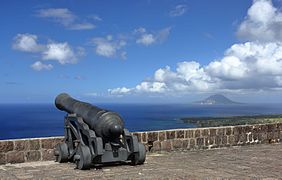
232, 120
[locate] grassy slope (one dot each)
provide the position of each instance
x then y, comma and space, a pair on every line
232, 120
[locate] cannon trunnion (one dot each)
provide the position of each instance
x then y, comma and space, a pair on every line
95, 136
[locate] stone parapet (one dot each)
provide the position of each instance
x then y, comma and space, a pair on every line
41, 149
26, 150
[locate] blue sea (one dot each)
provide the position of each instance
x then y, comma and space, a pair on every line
43, 120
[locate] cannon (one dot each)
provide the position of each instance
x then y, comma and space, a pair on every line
95, 136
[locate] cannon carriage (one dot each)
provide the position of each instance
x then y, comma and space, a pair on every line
94, 136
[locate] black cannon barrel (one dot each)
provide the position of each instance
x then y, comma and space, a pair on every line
106, 124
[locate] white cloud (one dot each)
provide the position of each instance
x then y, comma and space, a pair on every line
148, 38
151, 87
119, 90
251, 66
245, 67
82, 26
95, 17
229, 68
109, 47
178, 10
66, 18
263, 22
60, 52
26, 42
38, 66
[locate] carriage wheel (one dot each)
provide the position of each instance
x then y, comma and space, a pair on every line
61, 152
83, 157
140, 156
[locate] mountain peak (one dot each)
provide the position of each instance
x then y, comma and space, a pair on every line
216, 99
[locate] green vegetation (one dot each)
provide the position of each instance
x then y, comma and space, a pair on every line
232, 120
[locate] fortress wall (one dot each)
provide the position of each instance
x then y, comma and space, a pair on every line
42, 149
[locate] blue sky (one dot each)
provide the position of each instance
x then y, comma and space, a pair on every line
140, 51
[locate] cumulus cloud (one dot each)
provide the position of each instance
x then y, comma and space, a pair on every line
251, 66
109, 47
63, 53
27, 43
148, 38
66, 18
60, 52
119, 90
38, 66
178, 10
263, 23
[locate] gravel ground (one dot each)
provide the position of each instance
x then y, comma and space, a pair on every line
245, 162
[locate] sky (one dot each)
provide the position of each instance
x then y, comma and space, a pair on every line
142, 51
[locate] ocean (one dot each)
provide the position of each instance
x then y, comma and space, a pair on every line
43, 120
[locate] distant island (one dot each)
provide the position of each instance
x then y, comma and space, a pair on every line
216, 99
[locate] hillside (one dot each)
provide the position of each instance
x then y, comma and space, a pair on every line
216, 99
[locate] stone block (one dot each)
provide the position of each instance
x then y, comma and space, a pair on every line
185, 144
200, 142
248, 129
228, 131
48, 154
21, 145
243, 138
263, 128
255, 137
231, 140
211, 140
170, 134
212, 132
50, 143
237, 130
220, 131
180, 134
205, 132
144, 137
6, 146
224, 140
166, 145
15, 157
257, 128
197, 133
263, 137
2, 158
34, 144
156, 146
273, 135
244, 129
189, 133
192, 144
33, 155
177, 144
217, 140
162, 136
279, 126
206, 141
271, 127
152, 136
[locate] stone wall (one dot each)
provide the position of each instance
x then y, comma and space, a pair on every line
208, 138
41, 149
26, 150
